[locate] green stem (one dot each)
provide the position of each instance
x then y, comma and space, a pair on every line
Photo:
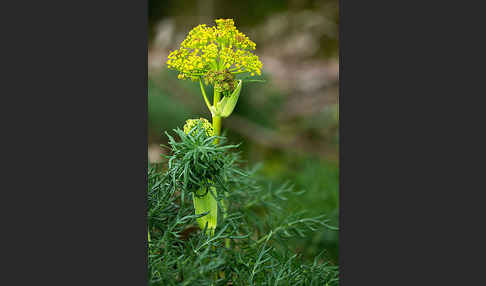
217, 127
216, 119
204, 95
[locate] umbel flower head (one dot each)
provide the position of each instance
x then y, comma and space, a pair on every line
215, 54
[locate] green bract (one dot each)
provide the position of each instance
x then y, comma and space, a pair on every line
225, 107
204, 201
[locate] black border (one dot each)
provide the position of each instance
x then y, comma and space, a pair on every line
76, 75
401, 193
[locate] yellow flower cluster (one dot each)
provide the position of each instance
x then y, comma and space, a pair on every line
218, 48
191, 123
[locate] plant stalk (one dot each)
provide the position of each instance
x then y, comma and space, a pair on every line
217, 120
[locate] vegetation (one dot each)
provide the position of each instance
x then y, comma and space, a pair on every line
211, 221
249, 246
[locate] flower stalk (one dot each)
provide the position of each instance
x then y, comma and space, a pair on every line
214, 56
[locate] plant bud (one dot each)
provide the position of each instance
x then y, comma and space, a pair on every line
191, 123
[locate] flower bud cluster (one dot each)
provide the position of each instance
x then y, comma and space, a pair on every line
191, 123
223, 81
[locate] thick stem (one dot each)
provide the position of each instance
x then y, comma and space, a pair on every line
216, 119
217, 126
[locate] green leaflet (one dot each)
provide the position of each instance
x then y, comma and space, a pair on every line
225, 106
207, 203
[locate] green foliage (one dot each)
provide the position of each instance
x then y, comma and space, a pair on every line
250, 244
196, 162
320, 180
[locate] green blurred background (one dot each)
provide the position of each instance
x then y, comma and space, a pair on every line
290, 123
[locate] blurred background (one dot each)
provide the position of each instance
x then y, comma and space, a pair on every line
290, 123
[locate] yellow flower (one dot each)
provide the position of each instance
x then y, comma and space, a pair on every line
214, 49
